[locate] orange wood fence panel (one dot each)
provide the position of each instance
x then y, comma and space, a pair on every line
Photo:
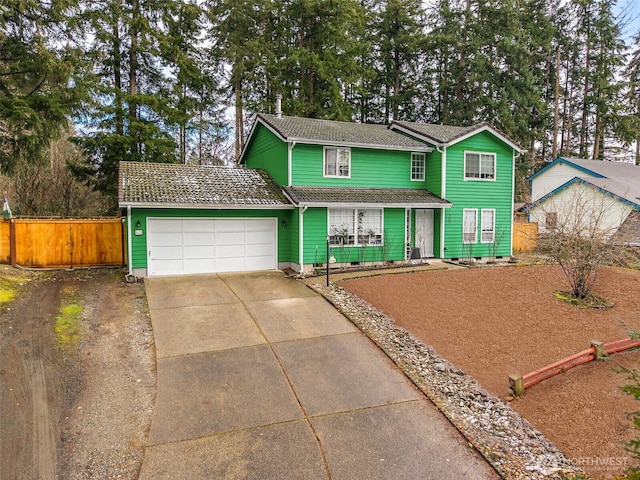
525, 235
67, 243
5, 243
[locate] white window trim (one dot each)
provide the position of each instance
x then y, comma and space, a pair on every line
424, 166
474, 179
493, 226
464, 212
324, 162
355, 228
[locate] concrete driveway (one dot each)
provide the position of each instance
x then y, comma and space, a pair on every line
261, 378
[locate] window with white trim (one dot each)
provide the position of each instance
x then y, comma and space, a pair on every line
469, 225
551, 220
479, 166
488, 233
361, 226
337, 162
417, 166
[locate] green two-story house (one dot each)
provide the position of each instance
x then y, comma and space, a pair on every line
370, 193
388, 193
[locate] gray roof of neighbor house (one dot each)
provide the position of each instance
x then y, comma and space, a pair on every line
311, 130
144, 184
446, 134
621, 179
629, 231
405, 197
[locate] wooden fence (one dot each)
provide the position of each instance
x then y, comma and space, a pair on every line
525, 237
64, 243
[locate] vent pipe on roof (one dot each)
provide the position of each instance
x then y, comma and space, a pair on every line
279, 105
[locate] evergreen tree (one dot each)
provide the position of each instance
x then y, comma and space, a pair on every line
36, 91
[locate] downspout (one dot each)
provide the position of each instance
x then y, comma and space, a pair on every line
513, 192
301, 211
290, 146
129, 247
443, 194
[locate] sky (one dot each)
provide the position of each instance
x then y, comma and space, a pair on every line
630, 10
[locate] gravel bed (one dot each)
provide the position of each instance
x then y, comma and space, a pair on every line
509, 443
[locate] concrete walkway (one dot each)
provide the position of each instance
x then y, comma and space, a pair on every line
261, 378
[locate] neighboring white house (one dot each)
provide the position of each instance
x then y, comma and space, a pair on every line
597, 195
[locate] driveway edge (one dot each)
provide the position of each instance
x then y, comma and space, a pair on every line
506, 440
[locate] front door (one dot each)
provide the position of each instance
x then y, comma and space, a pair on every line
424, 232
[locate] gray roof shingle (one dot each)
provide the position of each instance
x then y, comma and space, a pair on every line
197, 186
621, 179
364, 196
311, 130
447, 134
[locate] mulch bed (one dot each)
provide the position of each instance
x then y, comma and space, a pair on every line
490, 322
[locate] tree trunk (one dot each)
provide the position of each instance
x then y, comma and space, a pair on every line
133, 71
239, 119
117, 69
556, 107
585, 104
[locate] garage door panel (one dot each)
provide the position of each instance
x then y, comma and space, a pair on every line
223, 225
198, 238
207, 245
199, 226
199, 265
166, 225
199, 251
230, 238
229, 251
167, 239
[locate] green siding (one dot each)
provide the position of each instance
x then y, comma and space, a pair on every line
315, 239
369, 168
287, 235
433, 173
479, 194
268, 152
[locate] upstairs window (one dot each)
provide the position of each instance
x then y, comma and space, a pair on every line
488, 233
417, 166
479, 166
337, 162
469, 225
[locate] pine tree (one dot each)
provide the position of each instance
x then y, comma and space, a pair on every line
36, 92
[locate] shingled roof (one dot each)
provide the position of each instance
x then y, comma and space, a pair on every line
443, 135
397, 197
311, 130
197, 186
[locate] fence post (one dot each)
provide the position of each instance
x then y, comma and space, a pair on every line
516, 384
598, 346
12, 242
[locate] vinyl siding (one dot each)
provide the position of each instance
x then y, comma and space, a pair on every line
268, 152
552, 178
315, 239
369, 168
479, 194
287, 235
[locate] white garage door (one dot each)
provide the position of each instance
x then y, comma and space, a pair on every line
203, 245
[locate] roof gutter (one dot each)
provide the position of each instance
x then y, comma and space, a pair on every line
129, 246
206, 206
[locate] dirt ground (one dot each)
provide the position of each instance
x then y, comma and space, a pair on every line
494, 321
76, 392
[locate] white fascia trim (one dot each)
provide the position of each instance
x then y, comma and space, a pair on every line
207, 206
443, 194
376, 205
246, 144
301, 211
415, 148
290, 146
513, 192
487, 128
